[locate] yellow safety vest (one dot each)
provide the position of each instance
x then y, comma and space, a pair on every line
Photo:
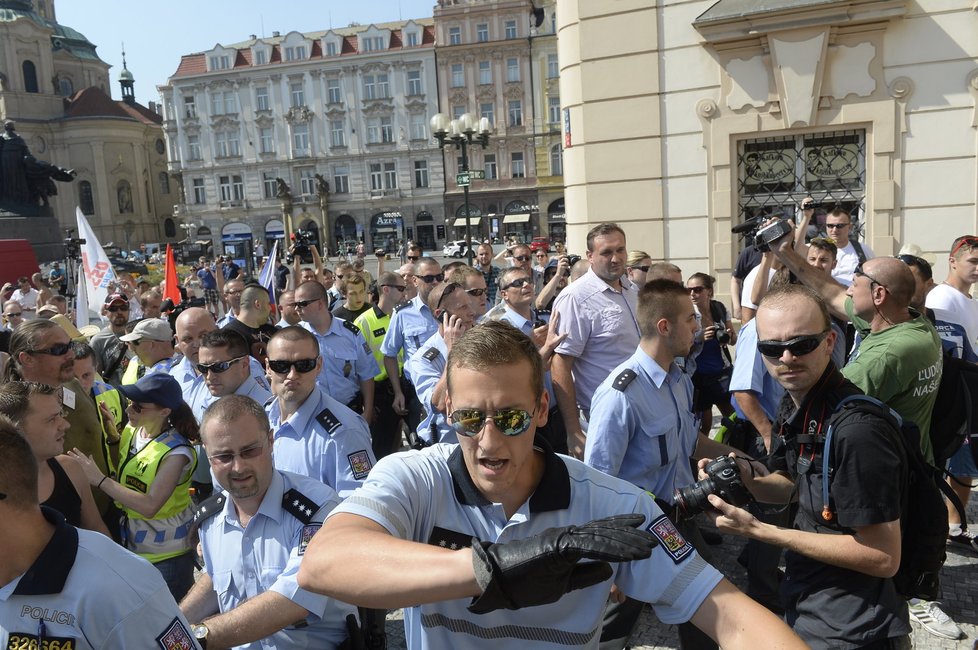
374, 324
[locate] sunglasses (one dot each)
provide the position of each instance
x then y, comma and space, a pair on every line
969, 240
913, 260
302, 304
697, 289
872, 280
477, 292
14, 315
218, 366
517, 283
837, 225
428, 279
643, 269
798, 346
395, 286
522, 258
413, 258
282, 367
139, 408
469, 422
247, 453
449, 290
113, 310
56, 350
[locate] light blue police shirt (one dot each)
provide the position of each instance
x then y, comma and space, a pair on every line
412, 323
427, 365
256, 388
749, 374
265, 556
347, 359
428, 496
323, 440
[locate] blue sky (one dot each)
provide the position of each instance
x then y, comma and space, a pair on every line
157, 34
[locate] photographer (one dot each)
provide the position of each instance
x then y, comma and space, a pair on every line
711, 380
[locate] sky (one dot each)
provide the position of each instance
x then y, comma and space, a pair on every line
157, 34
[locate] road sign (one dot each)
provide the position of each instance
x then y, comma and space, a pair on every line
462, 179
477, 174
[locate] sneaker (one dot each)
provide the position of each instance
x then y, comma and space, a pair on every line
965, 538
932, 618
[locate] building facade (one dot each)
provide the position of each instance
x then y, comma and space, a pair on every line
340, 116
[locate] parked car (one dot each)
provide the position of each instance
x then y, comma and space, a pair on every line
540, 244
454, 248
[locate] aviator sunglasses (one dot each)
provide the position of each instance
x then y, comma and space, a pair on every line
798, 346
469, 422
218, 366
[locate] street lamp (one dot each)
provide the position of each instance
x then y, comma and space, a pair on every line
462, 132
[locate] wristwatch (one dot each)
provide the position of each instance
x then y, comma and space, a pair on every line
200, 633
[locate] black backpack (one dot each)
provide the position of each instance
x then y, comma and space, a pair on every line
923, 518
955, 418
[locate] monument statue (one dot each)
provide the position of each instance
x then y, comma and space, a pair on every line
23, 178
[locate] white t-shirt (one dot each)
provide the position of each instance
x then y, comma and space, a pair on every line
957, 320
749, 286
846, 261
27, 301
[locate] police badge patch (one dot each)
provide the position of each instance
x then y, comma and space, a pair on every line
670, 539
176, 637
307, 534
360, 464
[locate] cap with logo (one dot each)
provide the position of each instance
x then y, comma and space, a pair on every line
115, 297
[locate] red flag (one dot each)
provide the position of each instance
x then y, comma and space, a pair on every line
170, 288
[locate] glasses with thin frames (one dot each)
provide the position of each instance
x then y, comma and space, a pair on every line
283, 366
218, 367
511, 422
798, 346
226, 458
872, 280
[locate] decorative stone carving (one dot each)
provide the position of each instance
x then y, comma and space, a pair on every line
750, 83
458, 97
707, 109
901, 88
848, 71
797, 74
299, 115
514, 90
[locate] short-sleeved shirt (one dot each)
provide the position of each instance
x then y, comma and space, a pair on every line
492, 282
347, 359
956, 316
323, 440
750, 375
749, 281
426, 367
601, 326
264, 556
846, 261
830, 606
255, 387
642, 427
412, 323
526, 326
27, 301
207, 279
186, 375
429, 497
93, 594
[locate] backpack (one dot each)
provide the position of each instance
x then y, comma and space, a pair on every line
923, 518
955, 415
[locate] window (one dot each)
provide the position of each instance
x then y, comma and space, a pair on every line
295, 53
383, 86
261, 57
454, 35
333, 95
419, 128
488, 111
482, 32
390, 176
261, 98
411, 39
376, 86
220, 62
386, 129
516, 165
300, 140
553, 110
553, 68
510, 29
373, 44
458, 75
457, 111
189, 107
489, 165
222, 103
200, 195
307, 181
224, 187
331, 49
86, 200
193, 147
380, 130
237, 188
297, 94
227, 143
231, 188
341, 179
421, 173
30, 77
556, 160
376, 177
485, 72
266, 140
234, 143
515, 113
268, 185
66, 87
337, 133
512, 70
414, 82
164, 183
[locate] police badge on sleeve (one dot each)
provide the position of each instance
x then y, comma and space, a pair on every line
176, 637
670, 539
360, 464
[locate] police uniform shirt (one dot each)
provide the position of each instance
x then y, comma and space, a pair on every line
186, 375
323, 440
255, 387
265, 556
225, 320
347, 359
426, 367
412, 323
642, 428
749, 374
428, 497
83, 592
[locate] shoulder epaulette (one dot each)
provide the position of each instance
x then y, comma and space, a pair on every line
626, 377
329, 421
209, 507
351, 326
299, 506
403, 305
431, 354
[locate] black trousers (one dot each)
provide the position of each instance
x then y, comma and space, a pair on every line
385, 432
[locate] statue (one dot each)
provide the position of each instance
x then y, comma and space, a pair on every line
285, 194
41, 177
23, 178
322, 189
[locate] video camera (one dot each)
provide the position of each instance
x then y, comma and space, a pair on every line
73, 245
302, 240
762, 238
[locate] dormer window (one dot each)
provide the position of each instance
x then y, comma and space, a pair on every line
260, 57
412, 39
295, 53
219, 62
331, 49
373, 44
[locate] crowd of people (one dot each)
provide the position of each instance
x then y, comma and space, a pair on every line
510, 450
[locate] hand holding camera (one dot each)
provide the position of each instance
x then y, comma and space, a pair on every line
722, 479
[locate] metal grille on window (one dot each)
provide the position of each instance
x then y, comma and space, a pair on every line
775, 174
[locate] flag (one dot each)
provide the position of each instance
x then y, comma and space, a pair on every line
171, 288
81, 302
267, 276
97, 272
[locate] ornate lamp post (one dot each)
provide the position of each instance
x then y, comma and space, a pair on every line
462, 132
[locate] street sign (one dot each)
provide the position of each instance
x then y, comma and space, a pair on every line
477, 174
462, 179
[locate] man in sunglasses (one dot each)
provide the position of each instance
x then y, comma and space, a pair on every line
474, 284
481, 540
113, 355
151, 340
315, 435
838, 226
838, 562
223, 364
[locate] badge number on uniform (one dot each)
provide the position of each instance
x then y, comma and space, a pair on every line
360, 464
672, 542
176, 637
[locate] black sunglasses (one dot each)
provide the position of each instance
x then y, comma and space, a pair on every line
697, 289
913, 260
302, 304
643, 269
113, 310
478, 291
282, 367
139, 408
836, 225
516, 284
56, 350
511, 422
449, 290
522, 258
395, 286
413, 258
428, 279
859, 271
218, 366
798, 346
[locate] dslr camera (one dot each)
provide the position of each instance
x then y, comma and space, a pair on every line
721, 334
723, 480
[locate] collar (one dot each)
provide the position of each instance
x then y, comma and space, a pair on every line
656, 373
597, 285
300, 421
552, 493
271, 503
522, 324
50, 570
378, 312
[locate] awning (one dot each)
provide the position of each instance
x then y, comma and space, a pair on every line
516, 218
381, 231
473, 221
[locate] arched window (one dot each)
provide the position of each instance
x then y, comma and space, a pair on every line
164, 183
66, 87
85, 199
169, 228
30, 77
556, 160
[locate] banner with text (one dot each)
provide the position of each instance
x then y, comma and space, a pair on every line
96, 270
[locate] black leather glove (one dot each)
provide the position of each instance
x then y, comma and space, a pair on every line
541, 569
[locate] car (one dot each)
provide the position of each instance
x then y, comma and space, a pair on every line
540, 244
454, 248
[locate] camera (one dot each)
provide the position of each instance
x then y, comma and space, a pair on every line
814, 205
721, 334
770, 234
571, 261
302, 240
723, 480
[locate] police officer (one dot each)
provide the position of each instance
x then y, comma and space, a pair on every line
253, 538
70, 588
517, 584
348, 367
223, 364
190, 326
315, 435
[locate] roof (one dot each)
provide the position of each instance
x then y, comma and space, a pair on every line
93, 102
727, 9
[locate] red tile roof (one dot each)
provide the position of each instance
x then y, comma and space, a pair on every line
93, 102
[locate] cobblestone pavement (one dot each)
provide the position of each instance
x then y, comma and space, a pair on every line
960, 600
